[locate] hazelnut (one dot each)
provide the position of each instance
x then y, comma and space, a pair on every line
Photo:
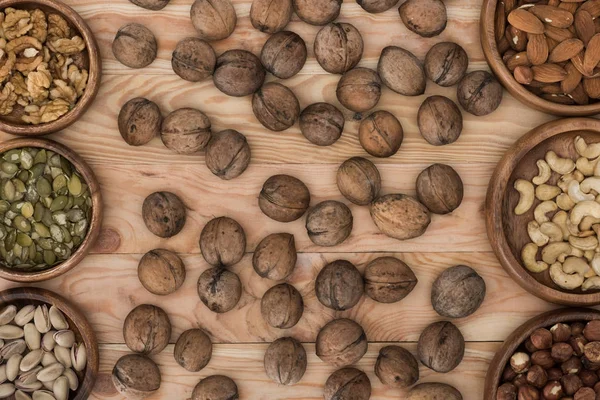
520, 362
341, 342
376, 6
554, 374
227, 154
585, 393
441, 346
578, 343
446, 63
529, 346
429, 391
338, 47
139, 121
275, 106
222, 242
396, 367
193, 59
479, 93
317, 12
592, 331
147, 329
271, 16
219, 289
543, 358
136, 376
592, 352
339, 285
284, 198
401, 71
153, 5
541, 339
284, 54
571, 384
577, 328
509, 375
134, 46
164, 214
275, 256
588, 378
458, 292
161, 272
282, 306
329, 223
426, 18
322, 124
215, 387
399, 216
537, 376
560, 332
520, 380
358, 180
193, 350
507, 391
285, 361
381, 134
213, 19
359, 89
238, 73
528, 392
186, 131
553, 391
440, 120
572, 366
440, 189
388, 280
589, 365
347, 383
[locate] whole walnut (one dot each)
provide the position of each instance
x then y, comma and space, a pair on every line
285, 361
161, 271
479, 93
458, 292
358, 180
401, 71
284, 54
359, 89
186, 131
397, 367
441, 346
282, 306
193, 59
213, 19
275, 106
275, 256
147, 329
434, 391
376, 6
381, 134
164, 214
227, 154
347, 383
153, 5
329, 223
193, 350
284, 198
134, 46
216, 387
271, 16
446, 63
339, 285
440, 188
139, 121
399, 216
322, 124
222, 242
219, 289
341, 342
317, 12
426, 18
440, 120
136, 376
338, 47
388, 280
238, 73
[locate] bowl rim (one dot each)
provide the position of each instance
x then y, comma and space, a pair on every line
518, 336
97, 210
94, 77
81, 324
492, 56
494, 216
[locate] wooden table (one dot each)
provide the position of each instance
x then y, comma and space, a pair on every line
106, 286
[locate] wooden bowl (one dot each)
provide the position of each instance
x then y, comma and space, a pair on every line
15, 125
77, 323
490, 50
508, 232
518, 337
97, 210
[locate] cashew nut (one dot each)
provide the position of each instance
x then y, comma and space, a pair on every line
542, 209
558, 164
575, 265
528, 255
544, 173
584, 243
536, 236
597, 169
583, 209
579, 177
575, 193
589, 255
587, 223
595, 263
563, 182
560, 219
585, 166
592, 283
564, 202
565, 281
573, 229
546, 192
586, 150
551, 230
574, 253
551, 252
526, 192
590, 184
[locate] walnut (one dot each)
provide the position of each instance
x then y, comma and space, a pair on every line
2, 36
46, 113
38, 83
61, 90
16, 23
23, 43
59, 65
40, 25
7, 62
8, 98
67, 46
18, 82
58, 27
27, 64
78, 79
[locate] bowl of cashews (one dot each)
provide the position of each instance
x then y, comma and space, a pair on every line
543, 211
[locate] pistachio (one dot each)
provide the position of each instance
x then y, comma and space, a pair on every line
28, 387
12, 367
33, 337
61, 388
63, 356
65, 338
73, 379
42, 319
49, 359
3, 377
28, 377
43, 395
48, 341
50, 372
31, 360
57, 318
11, 332
79, 356
14, 347
20, 395
6, 390
7, 314
25, 315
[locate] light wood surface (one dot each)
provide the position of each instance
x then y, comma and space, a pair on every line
105, 284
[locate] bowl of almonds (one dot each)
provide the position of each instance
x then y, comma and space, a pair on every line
545, 53
48, 349
50, 67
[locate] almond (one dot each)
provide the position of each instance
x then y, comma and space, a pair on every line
518, 59
500, 22
570, 7
551, 44
507, 55
554, 3
558, 34
573, 1
537, 49
597, 25
579, 95
565, 50
558, 98
548, 73
509, 5
578, 62
503, 45
553, 15
591, 6
584, 26
523, 75
592, 87
516, 38
591, 58
551, 88
526, 21
572, 80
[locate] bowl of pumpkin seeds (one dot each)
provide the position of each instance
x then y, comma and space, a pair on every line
50, 209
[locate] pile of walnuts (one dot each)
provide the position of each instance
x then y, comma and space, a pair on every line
43, 66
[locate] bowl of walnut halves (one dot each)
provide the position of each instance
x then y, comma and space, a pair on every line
50, 67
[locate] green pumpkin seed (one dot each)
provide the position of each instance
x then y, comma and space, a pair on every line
76, 240
56, 233
38, 212
67, 236
12, 155
27, 210
46, 243
80, 228
75, 215
40, 157
59, 182
4, 206
41, 229
26, 159
49, 257
21, 223
59, 217
36, 171
8, 191
43, 187
24, 240
10, 239
66, 166
47, 217
75, 187
9, 168
70, 203
59, 203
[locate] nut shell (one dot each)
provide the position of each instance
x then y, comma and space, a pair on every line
339, 285
396, 367
153, 5
219, 289
271, 16
216, 387
135, 46
399, 216
285, 361
401, 71
381, 134
275, 256
347, 383
440, 188
338, 47
282, 306
317, 12
434, 391
227, 154
136, 376
377, 6
193, 350
359, 89
479, 93
358, 180
329, 223
275, 106
388, 280
213, 19
193, 59
322, 124
147, 329
223, 242
426, 18
458, 292
161, 272
284, 198
164, 214
284, 54
440, 120
441, 346
446, 63
186, 131
139, 121
238, 73
341, 342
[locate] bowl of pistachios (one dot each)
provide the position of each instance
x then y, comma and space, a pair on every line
50, 209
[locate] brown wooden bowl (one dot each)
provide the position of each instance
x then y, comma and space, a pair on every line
14, 125
518, 337
490, 50
97, 210
77, 323
508, 232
